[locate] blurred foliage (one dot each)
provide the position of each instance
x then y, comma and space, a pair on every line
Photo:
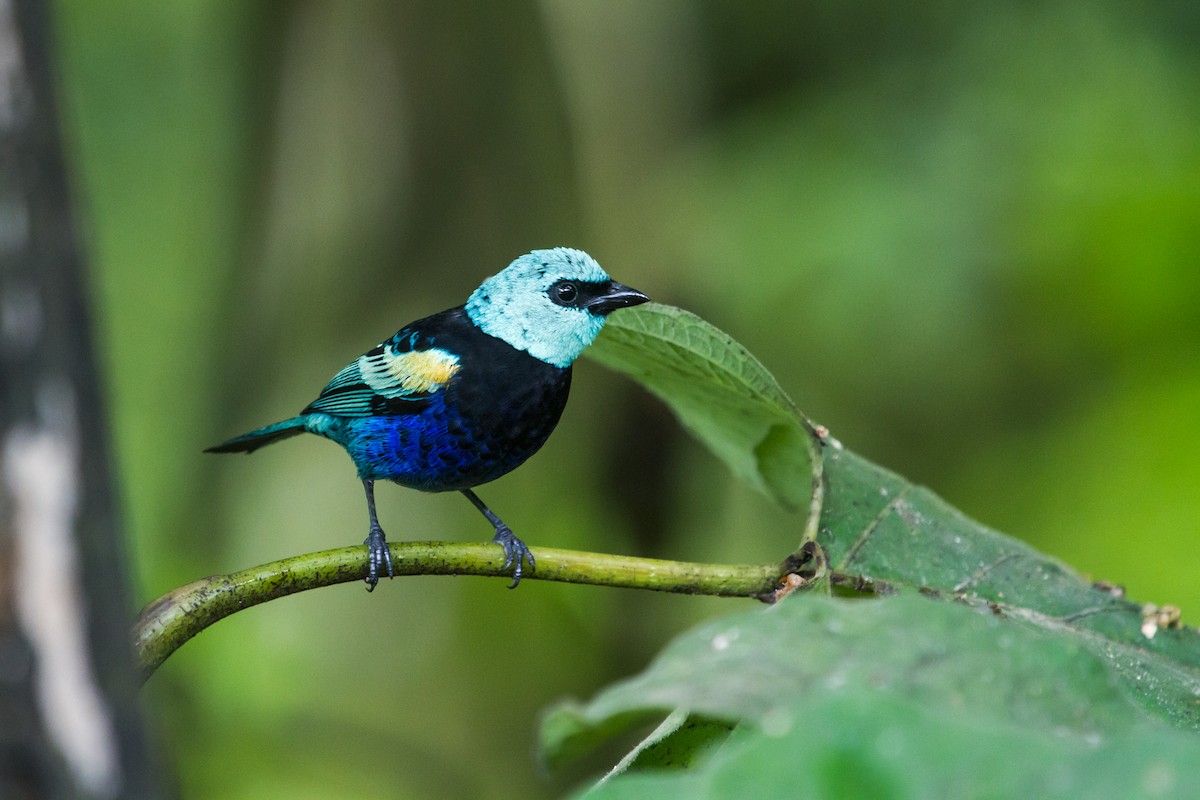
962, 235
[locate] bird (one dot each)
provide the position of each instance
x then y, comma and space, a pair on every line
459, 398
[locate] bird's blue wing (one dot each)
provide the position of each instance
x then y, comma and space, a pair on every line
393, 378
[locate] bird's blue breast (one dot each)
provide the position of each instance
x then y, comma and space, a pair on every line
434, 450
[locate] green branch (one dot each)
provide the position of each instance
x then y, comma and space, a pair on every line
166, 623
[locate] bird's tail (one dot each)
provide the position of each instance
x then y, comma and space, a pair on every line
249, 442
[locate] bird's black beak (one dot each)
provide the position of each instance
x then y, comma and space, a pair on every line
615, 296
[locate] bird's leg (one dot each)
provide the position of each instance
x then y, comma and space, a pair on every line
515, 551
377, 548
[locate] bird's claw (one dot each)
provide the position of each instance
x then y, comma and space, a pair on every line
379, 555
515, 554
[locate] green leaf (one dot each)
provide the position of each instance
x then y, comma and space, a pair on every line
1033, 681
860, 746
877, 525
720, 393
896, 697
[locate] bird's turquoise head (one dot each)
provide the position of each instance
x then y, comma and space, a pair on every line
550, 303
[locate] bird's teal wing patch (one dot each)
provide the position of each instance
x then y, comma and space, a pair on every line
349, 376
390, 379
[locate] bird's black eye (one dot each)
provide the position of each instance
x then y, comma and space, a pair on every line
565, 293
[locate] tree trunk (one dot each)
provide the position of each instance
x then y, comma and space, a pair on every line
69, 722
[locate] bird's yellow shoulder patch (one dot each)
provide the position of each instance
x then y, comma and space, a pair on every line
412, 372
423, 371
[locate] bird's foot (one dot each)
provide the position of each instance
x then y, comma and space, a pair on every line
379, 556
515, 553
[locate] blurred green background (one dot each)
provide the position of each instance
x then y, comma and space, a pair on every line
963, 235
